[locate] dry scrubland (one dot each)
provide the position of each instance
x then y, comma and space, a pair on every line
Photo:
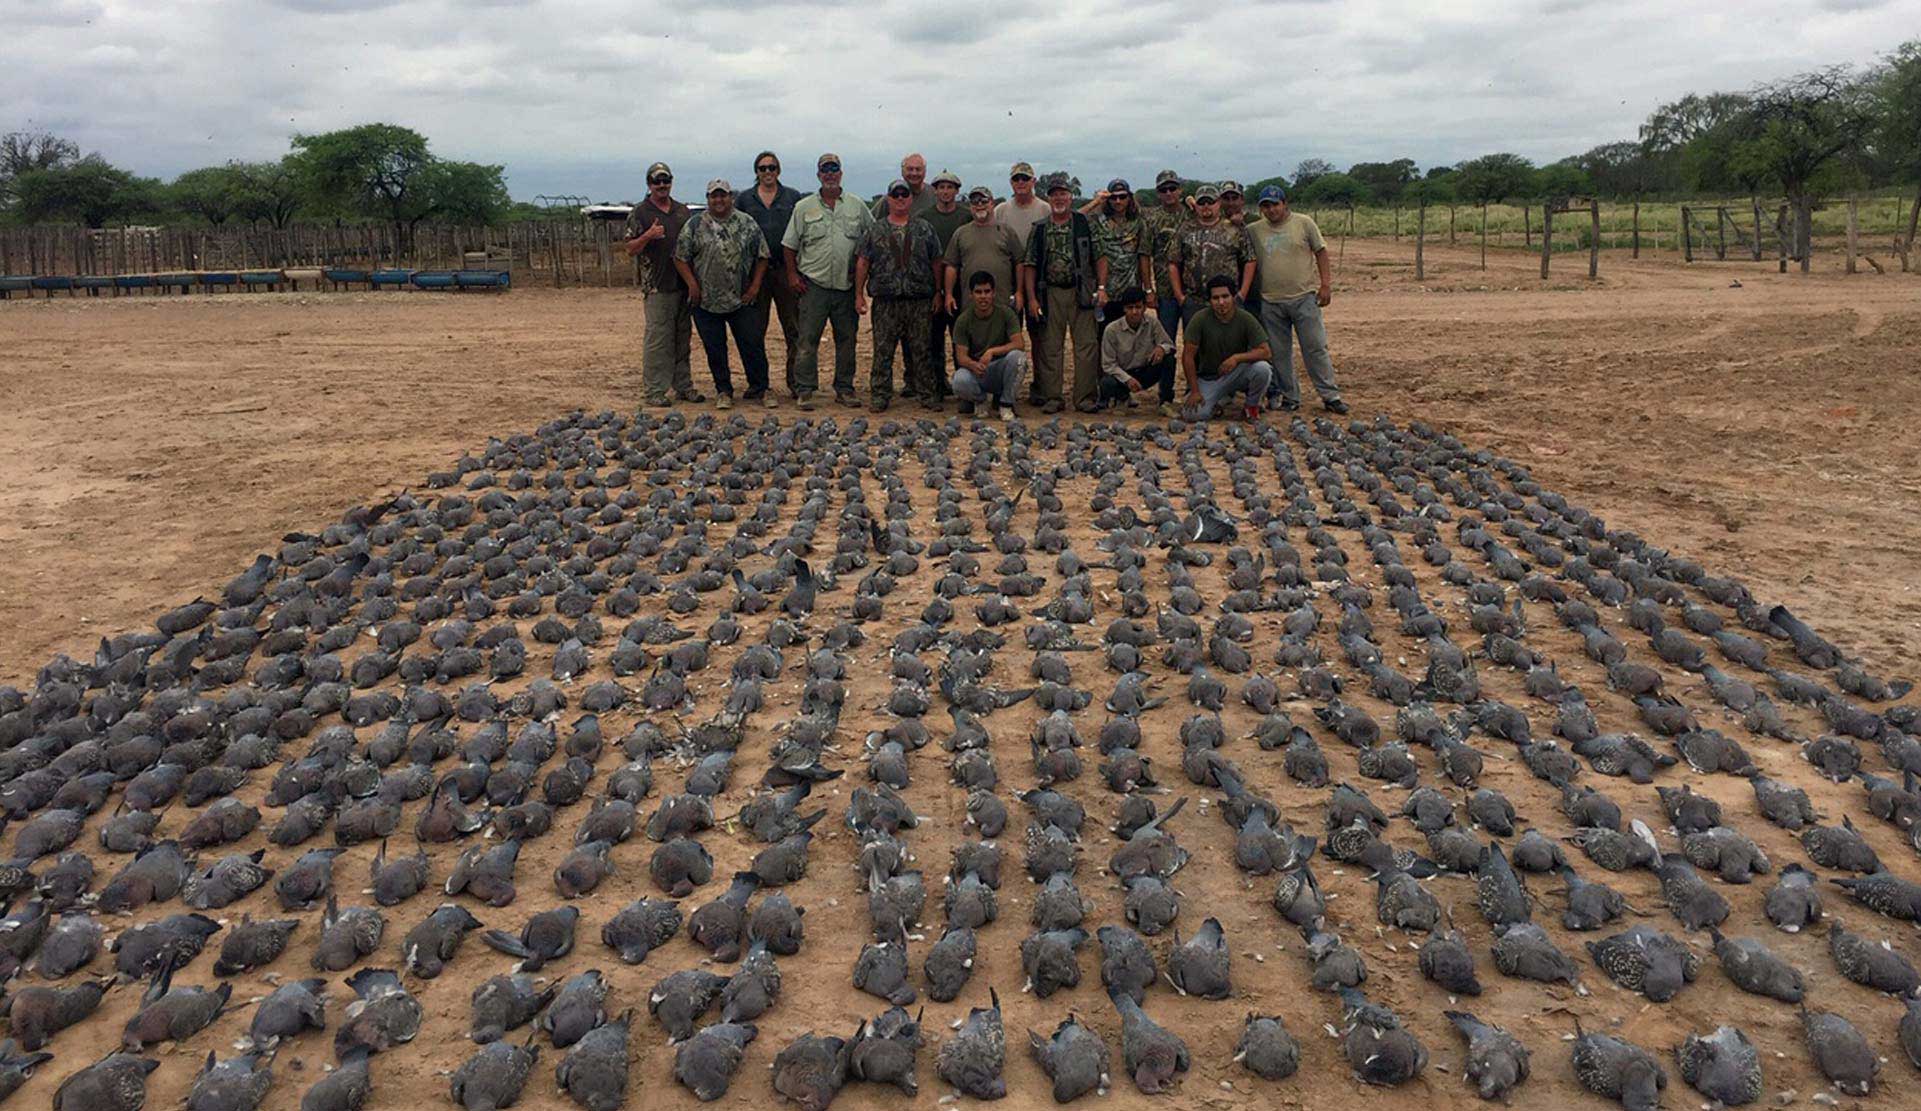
149, 448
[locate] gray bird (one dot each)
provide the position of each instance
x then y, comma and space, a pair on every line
347, 936
972, 1059
1794, 902
881, 970
812, 1069
70, 944
753, 988
485, 873
1618, 1070
1753, 968
577, 1008
171, 1014
226, 881
1446, 959
1723, 1066
1524, 950
308, 882
1845, 1057
1694, 904
1498, 891
885, 1049
950, 964
1643, 959
776, 922
503, 1003
252, 944
1200, 966
430, 945
594, 1072
1267, 1049
36, 1014
1885, 894
395, 881
1497, 1062
1334, 964
155, 875
1589, 905
292, 1009
678, 1001
547, 936
1298, 897
1786, 806
706, 1063
236, 1084
1870, 963
1074, 1058
1379, 1050
16, 1068
385, 1014
640, 927
1908, 1032
116, 1082
1152, 1054
494, 1076
1050, 959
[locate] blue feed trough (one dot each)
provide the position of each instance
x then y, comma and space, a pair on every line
93, 284
339, 275
52, 283
268, 278
133, 281
394, 278
11, 284
181, 282
219, 278
482, 279
433, 279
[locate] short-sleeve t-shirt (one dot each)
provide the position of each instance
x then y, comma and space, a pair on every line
977, 334
946, 223
1217, 339
991, 247
1284, 255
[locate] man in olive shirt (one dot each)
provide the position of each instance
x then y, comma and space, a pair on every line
1207, 248
771, 204
895, 263
990, 355
1296, 283
913, 171
722, 259
819, 249
1224, 352
667, 345
984, 244
946, 215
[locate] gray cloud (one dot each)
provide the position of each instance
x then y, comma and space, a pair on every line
577, 97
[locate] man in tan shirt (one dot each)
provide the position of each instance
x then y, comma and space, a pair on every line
1296, 283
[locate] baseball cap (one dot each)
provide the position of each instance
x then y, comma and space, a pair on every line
1166, 177
980, 193
825, 159
1272, 194
898, 183
658, 169
719, 185
1021, 169
947, 177
1208, 191
1119, 185
1055, 181
1233, 187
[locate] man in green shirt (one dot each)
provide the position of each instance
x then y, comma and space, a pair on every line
819, 248
1296, 283
985, 244
722, 259
1224, 352
990, 354
946, 216
651, 232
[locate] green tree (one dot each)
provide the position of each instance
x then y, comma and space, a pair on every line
90, 191
1562, 179
1491, 179
1309, 169
1897, 89
465, 192
1335, 190
270, 192
23, 152
212, 193
375, 169
1796, 133
1385, 181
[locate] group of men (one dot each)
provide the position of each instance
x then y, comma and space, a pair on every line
1111, 284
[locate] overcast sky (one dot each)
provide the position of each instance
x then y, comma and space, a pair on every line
578, 97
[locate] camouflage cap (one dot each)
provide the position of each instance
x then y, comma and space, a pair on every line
1208, 191
1055, 181
658, 169
980, 193
719, 185
825, 159
1021, 169
899, 183
947, 177
1233, 187
1167, 177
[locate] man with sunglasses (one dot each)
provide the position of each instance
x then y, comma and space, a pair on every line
1119, 236
1165, 222
1209, 248
819, 250
1060, 276
1022, 210
984, 244
895, 264
722, 259
1234, 211
771, 204
653, 227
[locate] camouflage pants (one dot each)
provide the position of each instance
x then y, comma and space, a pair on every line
906, 322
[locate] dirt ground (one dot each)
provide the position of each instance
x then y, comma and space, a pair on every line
150, 447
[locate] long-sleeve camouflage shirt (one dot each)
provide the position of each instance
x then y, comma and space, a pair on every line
900, 258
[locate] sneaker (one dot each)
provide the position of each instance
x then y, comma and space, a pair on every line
1335, 406
724, 401
878, 405
1087, 406
660, 403
1292, 405
966, 408
1252, 413
1008, 414
694, 396
803, 400
1052, 406
1170, 410
768, 398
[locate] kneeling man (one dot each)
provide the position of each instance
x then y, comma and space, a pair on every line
1224, 352
990, 354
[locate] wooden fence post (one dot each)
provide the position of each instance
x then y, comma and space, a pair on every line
1687, 237
1854, 230
1594, 239
1637, 229
1547, 235
1420, 244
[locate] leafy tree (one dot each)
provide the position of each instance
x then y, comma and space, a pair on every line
1621, 169
269, 192
23, 152
1562, 179
1795, 132
1335, 190
90, 191
1490, 179
1309, 169
212, 193
466, 192
1897, 88
1385, 181
375, 169
1439, 171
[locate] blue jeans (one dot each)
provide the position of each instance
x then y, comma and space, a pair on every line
1001, 382
1250, 379
1169, 310
1284, 322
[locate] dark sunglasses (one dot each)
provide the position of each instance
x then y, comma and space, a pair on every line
1119, 196
663, 179
767, 169
1021, 177
899, 193
830, 168
1168, 188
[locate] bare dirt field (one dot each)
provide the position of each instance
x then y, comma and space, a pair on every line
149, 448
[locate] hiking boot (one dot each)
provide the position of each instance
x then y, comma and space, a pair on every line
694, 396
1052, 406
724, 401
878, 405
1087, 406
1170, 410
1292, 405
660, 403
803, 400
966, 408
1008, 414
1335, 406
847, 399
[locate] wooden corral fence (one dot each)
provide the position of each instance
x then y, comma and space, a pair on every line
567, 251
